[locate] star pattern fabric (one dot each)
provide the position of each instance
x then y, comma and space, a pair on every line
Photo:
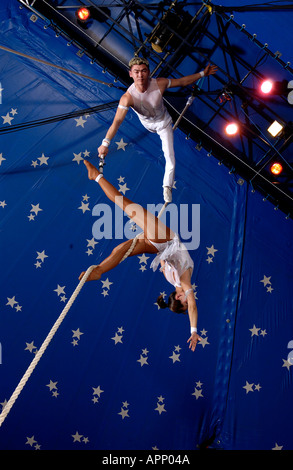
118, 360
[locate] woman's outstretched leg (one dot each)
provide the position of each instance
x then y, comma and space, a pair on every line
152, 227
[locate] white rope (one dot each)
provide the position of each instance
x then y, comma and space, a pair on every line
42, 349
52, 332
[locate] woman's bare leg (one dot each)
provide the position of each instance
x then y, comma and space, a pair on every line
141, 246
152, 227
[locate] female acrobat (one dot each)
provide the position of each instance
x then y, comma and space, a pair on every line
156, 238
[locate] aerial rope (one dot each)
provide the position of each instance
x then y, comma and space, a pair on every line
6, 409
44, 62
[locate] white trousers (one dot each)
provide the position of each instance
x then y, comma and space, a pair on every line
164, 129
167, 138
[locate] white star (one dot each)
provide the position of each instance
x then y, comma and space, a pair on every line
59, 290
254, 331
142, 268
123, 188
286, 363
175, 357
121, 144
266, 280
121, 179
204, 342
248, 387
97, 391
43, 160
35, 208
160, 408
11, 301
80, 121
106, 284
76, 333
117, 338
92, 243
211, 250
270, 289
34, 163
77, 157
1, 158
84, 207
143, 258
197, 393
76, 437
13, 111
105, 293
124, 413
3, 204
31, 441
52, 385
7, 119
277, 447
209, 260
30, 346
143, 360
42, 255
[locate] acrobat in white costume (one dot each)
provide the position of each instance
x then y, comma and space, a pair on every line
145, 97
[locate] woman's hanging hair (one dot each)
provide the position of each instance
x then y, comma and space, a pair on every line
173, 304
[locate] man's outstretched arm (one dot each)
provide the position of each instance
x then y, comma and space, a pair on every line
187, 80
121, 112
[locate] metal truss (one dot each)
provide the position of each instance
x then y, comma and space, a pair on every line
198, 33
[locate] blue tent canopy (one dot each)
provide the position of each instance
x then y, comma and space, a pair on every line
118, 373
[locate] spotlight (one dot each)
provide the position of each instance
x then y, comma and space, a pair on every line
83, 14
266, 87
275, 128
276, 168
162, 34
231, 129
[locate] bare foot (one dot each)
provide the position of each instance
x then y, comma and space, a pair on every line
93, 172
94, 275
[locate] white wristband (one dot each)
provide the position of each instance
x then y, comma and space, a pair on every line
99, 177
201, 73
193, 329
106, 142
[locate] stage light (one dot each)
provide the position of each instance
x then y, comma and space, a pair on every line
267, 86
162, 35
276, 168
275, 128
231, 129
83, 14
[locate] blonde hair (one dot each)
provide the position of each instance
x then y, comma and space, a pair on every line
138, 61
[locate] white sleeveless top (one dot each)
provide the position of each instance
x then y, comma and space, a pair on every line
149, 106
